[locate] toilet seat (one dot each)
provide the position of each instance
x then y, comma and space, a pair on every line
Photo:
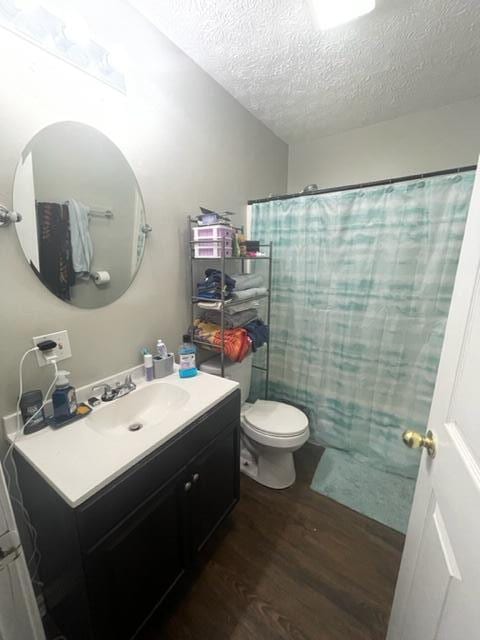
275, 419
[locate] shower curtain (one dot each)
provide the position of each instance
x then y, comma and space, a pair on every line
362, 281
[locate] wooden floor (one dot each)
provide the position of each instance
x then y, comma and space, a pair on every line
290, 565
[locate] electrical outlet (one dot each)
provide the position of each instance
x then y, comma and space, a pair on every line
62, 350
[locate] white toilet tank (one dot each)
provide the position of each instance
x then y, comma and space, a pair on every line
240, 372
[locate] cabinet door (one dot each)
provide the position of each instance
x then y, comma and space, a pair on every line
137, 564
215, 477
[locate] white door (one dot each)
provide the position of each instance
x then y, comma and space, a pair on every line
438, 589
19, 616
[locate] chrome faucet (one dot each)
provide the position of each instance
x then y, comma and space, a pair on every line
118, 391
108, 394
126, 387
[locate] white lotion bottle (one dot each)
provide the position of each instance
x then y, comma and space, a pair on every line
148, 364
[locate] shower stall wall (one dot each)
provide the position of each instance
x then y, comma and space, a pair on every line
361, 289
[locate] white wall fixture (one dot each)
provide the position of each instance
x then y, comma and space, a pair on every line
62, 351
66, 36
332, 13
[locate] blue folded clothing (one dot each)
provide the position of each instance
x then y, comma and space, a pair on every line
212, 294
257, 331
211, 287
214, 275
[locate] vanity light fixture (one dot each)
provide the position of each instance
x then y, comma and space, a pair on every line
77, 31
25, 5
332, 13
7, 216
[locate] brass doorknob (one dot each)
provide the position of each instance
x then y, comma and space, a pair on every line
414, 440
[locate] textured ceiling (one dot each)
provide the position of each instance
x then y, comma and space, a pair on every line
406, 56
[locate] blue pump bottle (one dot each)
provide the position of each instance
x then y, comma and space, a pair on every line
64, 398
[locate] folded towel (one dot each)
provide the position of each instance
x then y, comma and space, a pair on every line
236, 342
213, 305
247, 281
249, 293
231, 321
232, 309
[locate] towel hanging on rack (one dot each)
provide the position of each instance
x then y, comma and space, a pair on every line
82, 246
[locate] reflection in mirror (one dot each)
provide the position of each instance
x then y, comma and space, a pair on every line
83, 228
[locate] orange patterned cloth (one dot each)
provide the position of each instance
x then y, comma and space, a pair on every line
237, 342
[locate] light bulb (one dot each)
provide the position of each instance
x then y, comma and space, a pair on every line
331, 13
25, 5
76, 30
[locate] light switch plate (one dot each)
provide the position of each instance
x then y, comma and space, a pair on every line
62, 350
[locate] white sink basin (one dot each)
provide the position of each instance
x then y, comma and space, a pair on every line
80, 458
143, 408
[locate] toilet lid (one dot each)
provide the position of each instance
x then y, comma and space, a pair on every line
276, 418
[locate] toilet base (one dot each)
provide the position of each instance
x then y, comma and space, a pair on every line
272, 468
248, 463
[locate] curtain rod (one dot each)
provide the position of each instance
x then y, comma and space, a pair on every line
363, 185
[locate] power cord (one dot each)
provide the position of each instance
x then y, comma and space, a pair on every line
36, 557
34, 560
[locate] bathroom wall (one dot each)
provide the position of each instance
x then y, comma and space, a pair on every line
189, 143
420, 142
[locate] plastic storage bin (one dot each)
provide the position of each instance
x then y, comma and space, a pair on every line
210, 240
213, 232
212, 250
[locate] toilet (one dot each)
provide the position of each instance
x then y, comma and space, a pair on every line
271, 431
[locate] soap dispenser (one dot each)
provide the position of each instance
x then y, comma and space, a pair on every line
162, 350
64, 398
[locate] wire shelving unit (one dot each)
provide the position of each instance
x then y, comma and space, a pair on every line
232, 263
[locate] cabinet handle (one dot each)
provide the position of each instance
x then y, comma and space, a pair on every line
188, 486
196, 477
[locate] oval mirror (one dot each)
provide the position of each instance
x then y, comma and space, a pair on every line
83, 225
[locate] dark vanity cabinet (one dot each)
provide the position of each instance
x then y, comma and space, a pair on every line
109, 563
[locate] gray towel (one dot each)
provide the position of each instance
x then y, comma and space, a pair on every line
231, 321
242, 306
82, 246
249, 293
247, 281
230, 308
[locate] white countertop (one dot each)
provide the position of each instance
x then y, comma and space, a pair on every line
77, 461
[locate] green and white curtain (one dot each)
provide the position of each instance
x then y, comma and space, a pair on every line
362, 282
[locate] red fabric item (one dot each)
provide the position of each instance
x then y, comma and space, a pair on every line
237, 344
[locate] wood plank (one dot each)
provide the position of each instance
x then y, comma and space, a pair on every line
288, 565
